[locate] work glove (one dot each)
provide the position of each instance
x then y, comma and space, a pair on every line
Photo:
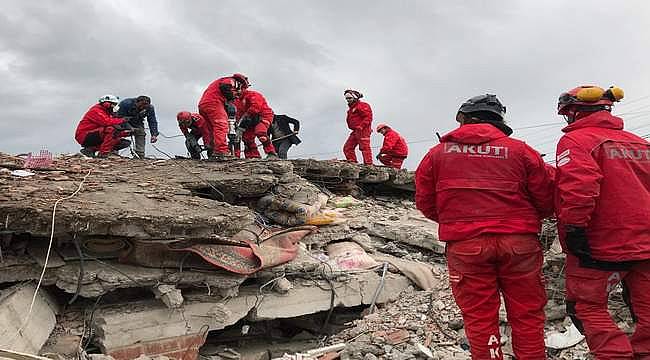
578, 245
378, 156
577, 242
154, 138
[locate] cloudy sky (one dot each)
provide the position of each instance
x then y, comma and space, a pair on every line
415, 62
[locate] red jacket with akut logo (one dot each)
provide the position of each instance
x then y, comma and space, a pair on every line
480, 181
394, 144
603, 176
359, 116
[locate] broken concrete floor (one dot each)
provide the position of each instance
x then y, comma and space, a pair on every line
168, 305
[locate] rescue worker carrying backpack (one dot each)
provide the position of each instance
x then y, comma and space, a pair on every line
489, 193
603, 209
394, 149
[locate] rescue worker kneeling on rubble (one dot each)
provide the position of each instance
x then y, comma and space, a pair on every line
603, 209
100, 131
255, 118
489, 192
394, 149
195, 128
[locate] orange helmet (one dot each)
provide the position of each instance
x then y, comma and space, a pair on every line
588, 98
184, 118
381, 126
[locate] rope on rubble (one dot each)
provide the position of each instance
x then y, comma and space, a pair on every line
47, 258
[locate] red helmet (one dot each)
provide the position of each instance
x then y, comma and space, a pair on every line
590, 97
184, 118
381, 126
242, 80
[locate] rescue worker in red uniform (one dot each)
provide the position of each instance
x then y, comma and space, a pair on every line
603, 209
215, 106
255, 117
100, 131
394, 149
359, 120
489, 192
194, 127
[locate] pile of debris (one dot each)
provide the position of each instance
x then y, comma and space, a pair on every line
239, 259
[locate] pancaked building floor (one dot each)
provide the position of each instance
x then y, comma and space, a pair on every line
240, 259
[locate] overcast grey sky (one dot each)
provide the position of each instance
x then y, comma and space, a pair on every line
415, 62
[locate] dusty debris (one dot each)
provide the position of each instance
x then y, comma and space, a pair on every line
137, 227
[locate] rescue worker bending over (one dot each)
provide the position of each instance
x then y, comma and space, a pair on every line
489, 192
359, 120
219, 96
603, 209
255, 118
194, 127
281, 134
394, 149
135, 110
100, 131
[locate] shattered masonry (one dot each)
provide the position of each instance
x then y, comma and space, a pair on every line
174, 249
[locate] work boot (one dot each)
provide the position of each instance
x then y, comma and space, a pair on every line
220, 156
272, 156
139, 155
87, 152
102, 155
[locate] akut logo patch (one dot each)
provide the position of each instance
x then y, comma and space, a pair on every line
480, 150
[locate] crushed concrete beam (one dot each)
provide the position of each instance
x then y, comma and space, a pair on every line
101, 278
14, 309
120, 326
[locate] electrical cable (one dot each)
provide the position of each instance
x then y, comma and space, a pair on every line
47, 256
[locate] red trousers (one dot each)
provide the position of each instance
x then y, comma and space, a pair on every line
103, 140
587, 293
480, 269
260, 131
215, 114
392, 161
359, 138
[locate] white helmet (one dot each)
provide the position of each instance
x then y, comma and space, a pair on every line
109, 98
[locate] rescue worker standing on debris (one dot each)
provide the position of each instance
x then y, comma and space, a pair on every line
194, 127
489, 192
216, 105
359, 120
281, 134
135, 110
255, 118
603, 209
394, 149
100, 131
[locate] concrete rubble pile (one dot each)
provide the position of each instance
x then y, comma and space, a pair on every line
166, 258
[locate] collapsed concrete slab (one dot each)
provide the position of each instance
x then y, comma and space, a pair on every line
122, 325
21, 330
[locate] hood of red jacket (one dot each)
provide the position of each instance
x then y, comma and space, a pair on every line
474, 134
601, 119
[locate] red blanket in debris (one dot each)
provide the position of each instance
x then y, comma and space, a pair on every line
274, 249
